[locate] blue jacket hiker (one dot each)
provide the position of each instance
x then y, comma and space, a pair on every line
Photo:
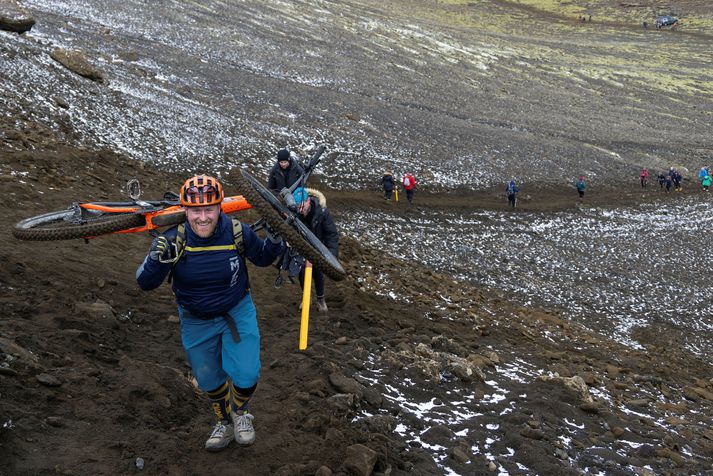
205, 259
580, 184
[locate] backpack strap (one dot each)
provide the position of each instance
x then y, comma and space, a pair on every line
238, 237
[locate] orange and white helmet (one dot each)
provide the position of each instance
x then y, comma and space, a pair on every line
201, 191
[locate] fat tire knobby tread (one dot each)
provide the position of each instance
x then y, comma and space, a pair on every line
52, 229
277, 222
169, 219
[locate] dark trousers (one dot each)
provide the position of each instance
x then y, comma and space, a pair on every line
512, 198
387, 194
409, 195
318, 278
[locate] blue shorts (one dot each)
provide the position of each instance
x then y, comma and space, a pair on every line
212, 352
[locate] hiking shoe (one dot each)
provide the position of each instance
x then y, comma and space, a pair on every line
244, 431
220, 438
322, 305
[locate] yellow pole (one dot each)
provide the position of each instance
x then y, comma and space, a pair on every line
306, 299
396, 190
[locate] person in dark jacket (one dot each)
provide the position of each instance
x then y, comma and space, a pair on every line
219, 329
313, 213
388, 183
285, 172
511, 191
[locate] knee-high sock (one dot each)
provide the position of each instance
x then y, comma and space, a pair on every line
241, 397
220, 401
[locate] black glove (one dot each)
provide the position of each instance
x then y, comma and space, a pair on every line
160, 249
272, 234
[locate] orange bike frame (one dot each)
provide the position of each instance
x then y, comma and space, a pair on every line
229, 205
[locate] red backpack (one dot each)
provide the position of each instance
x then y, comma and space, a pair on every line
409, 182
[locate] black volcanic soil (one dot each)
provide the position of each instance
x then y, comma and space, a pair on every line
94, 375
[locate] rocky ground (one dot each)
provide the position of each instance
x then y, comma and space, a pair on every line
412, 371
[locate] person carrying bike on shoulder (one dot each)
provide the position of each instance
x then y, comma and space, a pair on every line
219, 329
285, 172
313, 212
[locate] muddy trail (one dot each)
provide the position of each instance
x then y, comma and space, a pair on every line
93, 375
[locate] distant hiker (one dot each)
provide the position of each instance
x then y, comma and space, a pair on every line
702, 173
644, 177
409, 182
669, 182
706, 182
677, 181
662, 179
285, 172
511, 191
388, 183
313, 213
580, 185
205, 258
590, 18
646, 25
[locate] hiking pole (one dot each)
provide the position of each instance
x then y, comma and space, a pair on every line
396, 191
306, 294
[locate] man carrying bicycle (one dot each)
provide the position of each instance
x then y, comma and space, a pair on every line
313, 212
219, 329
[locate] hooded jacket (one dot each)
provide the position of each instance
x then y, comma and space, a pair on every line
280, 178
320, 222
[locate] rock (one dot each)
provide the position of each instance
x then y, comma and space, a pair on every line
7, 371
492, 466
380, 424
373, 396
690, 394
173, 318
438, 434
617, 431
459, 455
10, 347
54, 421
323, 471
533, 433
360, 460
341, 340
48, 380
332, 434
703, 393
60, 102
576, 384
612, 370
341, 403
641, 402
672, 455
77, 62
96, 310
561, 454
15, 17
346, 385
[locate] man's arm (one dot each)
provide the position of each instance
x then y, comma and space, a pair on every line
260, 252
151, 272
